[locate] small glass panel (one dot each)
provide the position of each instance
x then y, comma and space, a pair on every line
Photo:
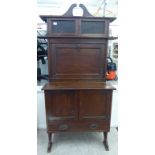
63, 26
93, 27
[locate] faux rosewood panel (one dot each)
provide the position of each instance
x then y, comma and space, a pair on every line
78, 61
60, 105
94, 104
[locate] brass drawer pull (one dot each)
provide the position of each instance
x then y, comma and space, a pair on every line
63, 127
94, 126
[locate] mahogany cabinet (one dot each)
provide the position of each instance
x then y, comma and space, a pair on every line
77, 97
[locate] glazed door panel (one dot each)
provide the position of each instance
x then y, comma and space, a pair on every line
61, 105
94, 104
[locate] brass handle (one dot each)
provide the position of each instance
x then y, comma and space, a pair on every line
63, 127
94, 126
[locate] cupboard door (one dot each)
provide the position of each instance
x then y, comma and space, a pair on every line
94, 104
77, 61
60, 105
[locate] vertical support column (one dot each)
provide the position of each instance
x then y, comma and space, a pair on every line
105, 141
49, 142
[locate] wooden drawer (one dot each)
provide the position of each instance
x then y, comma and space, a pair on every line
93, 125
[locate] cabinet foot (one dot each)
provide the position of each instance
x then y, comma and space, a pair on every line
105, 141
49, 142
49, 147
106, 145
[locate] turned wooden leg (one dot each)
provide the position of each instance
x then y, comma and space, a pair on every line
105, 141
49, 142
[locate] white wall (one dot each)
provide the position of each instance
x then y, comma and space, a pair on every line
96, 8
41, 116
114, 115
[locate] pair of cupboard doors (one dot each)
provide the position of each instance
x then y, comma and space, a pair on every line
78, 110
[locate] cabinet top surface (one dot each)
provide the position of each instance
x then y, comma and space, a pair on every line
45, 17
84, 85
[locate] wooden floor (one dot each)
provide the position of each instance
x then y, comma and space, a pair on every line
85, 143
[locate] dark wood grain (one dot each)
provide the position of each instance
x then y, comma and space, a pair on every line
69, 12
61, 104
93, 104
79, 125
65, 61
46, 17
78, 85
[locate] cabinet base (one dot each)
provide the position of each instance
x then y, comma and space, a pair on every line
105, 142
